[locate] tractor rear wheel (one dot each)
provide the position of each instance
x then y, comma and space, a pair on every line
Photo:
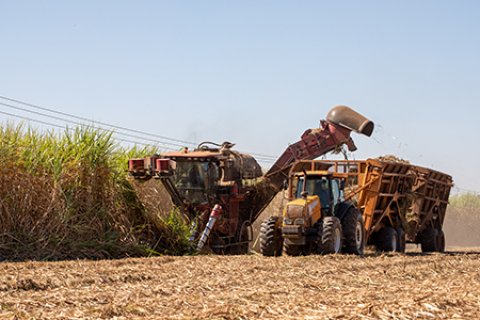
331, 241
271, 240
386, 240
429, 240
353, 232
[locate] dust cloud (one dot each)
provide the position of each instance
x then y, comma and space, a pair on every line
462, 227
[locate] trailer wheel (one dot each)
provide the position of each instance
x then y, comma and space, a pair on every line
353, 232
401, 240
441, 241
331, 242
271, 240
429, 240
386, 240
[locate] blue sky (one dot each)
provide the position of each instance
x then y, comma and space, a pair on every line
258, 73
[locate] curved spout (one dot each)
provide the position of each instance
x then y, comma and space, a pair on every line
350, 119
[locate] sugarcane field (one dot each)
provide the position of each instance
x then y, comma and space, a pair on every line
239, 160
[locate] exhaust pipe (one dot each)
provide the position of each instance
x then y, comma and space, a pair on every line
348, 118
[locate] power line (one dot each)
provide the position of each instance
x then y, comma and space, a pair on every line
98, 122
260, 157
80, 124
34, 120
116, 138
69, 129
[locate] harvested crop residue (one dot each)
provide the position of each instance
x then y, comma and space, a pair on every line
245, 287
393, 158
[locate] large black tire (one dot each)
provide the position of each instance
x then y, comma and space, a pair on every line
243, 235
386, 240
292, 250
441, 241
353, 232
331, 241
271, 240
401, 240
429, 240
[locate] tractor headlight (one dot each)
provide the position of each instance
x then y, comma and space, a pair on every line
287, 221
300, 221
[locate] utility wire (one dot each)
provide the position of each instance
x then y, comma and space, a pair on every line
70, 129
89, 120
80, 124
117, 139
265, 158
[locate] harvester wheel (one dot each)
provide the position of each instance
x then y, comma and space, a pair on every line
271, 240
353, 232
244, 235
429, 240
386, 240
292, 249
331, 236
401, 240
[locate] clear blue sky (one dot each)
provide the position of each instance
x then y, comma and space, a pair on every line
258, 73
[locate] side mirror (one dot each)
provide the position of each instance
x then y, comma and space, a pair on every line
304, 194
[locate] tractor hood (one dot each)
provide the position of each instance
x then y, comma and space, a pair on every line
303, 208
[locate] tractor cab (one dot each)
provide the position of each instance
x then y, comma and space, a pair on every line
327, 188
312, 196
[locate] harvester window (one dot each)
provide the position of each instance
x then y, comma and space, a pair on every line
195, 180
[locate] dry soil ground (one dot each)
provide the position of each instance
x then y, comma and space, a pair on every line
246, 287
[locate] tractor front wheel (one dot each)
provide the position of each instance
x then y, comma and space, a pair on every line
331, 240
271, 240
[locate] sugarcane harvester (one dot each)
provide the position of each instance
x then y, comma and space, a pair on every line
223, 191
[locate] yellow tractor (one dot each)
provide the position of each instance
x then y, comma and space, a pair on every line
317, 218
341, 206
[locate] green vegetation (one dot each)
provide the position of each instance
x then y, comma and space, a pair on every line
68, 196
466, 201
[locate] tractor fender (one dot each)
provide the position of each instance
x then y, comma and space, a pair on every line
342, 208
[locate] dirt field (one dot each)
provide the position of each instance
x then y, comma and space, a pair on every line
246, 287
